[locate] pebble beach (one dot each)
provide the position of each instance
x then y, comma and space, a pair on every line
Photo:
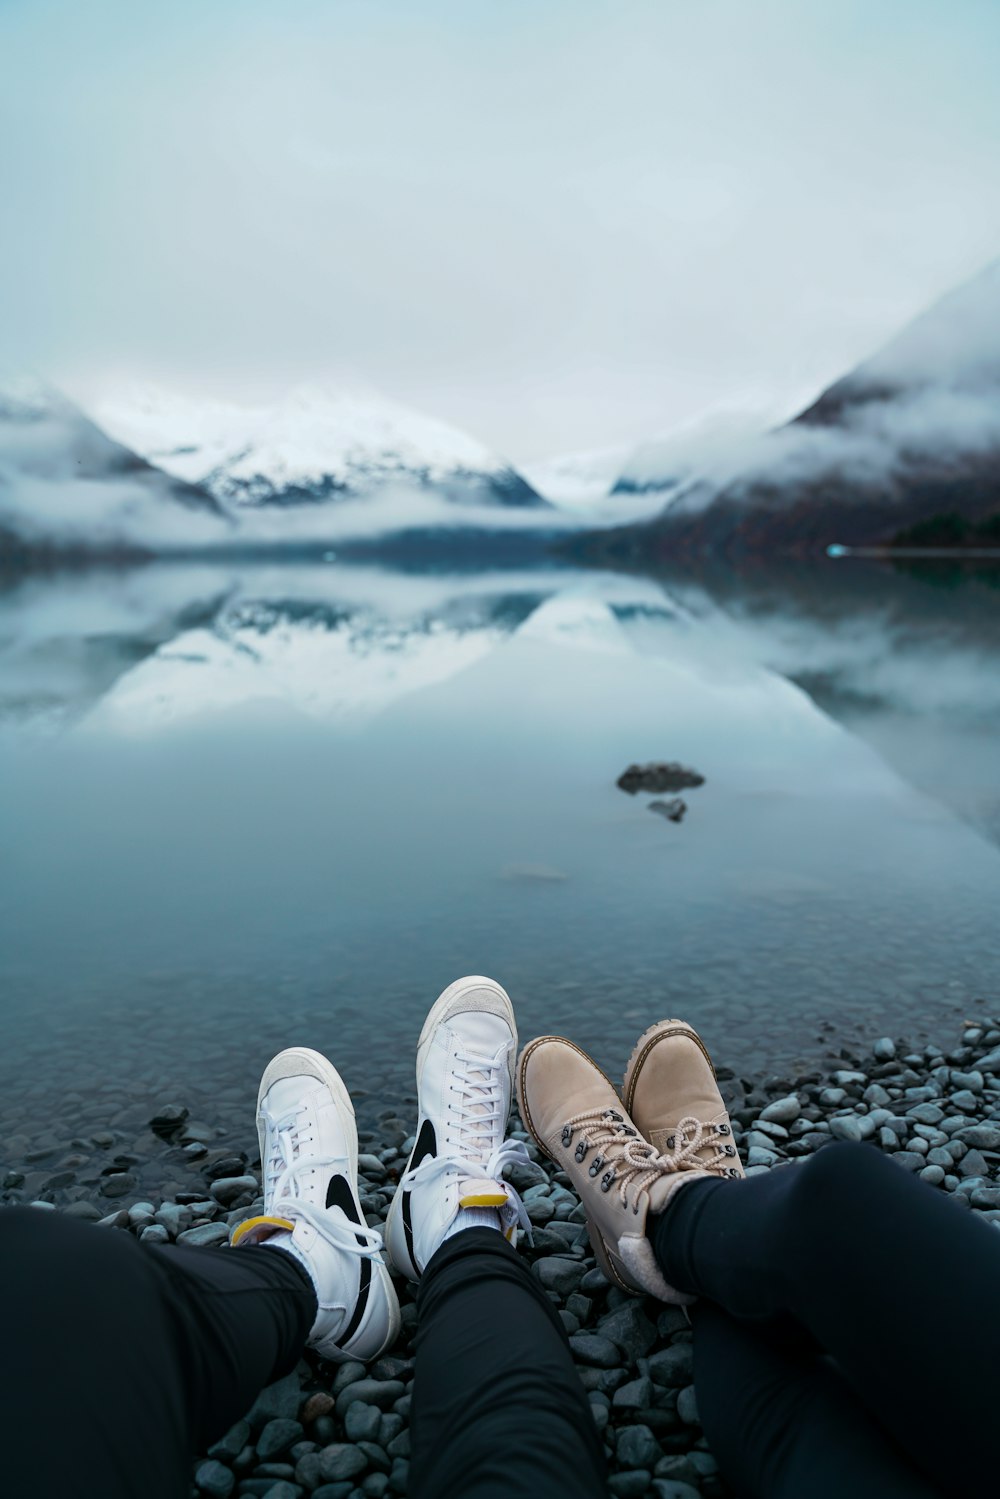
342, 1431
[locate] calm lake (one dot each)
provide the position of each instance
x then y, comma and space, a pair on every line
245, 806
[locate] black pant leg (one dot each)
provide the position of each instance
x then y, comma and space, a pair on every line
241, 1319
782, 1422
498, 1409
892, 1279
121, 1360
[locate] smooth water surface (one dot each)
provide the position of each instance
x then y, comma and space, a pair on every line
247, 806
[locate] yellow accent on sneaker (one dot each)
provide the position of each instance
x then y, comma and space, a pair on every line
483, 1200
251, 1229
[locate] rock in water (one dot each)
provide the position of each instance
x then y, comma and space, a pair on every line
673, 810
658, 775
168, 1120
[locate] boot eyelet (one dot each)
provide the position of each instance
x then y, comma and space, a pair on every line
612, 1114
607, 1181
581, 1150
723, 1129
730, 1150
671, 1142
567, 1137
596, 1165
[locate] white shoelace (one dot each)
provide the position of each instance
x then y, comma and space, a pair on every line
624, 1160
286, 1164
477, 1118
691, 1138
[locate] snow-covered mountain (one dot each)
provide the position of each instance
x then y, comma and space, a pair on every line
64, 483
314, 445
905, 447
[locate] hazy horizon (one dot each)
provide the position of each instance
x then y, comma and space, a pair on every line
557, 227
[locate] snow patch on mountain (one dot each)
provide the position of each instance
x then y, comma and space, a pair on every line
317, 443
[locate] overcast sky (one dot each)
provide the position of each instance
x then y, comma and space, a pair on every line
558, 223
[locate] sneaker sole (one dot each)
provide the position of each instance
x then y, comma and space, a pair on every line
395, 1236
649, 1038
596, 1242
345, 1108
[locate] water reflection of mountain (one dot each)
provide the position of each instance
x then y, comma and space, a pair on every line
905, 658
907, 661
156, 644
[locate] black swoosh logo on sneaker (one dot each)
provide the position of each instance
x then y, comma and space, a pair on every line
339, 1195
425, 1145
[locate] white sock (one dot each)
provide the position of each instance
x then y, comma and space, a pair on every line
283, 1240
473, 1218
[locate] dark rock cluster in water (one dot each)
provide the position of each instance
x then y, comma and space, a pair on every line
342, 1431
673, 810
658, 776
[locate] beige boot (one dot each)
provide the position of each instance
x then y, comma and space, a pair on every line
574, 1114
671, 1092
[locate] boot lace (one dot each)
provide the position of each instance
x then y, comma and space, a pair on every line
627, 1162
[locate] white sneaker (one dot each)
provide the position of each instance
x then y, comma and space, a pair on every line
309, 1157
465, 1071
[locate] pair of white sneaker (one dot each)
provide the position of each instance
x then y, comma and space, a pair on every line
454, 1176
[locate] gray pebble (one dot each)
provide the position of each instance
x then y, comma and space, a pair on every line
884, 1049
232, 1444
637, 1447
782, 1110
228, 1188
846, 1127
380, 1392
282, 1398
687, 1406
637, 1395
277, 1437
925, 1113
593, 1349
205, 1233
982, 1136
629, 1329
673, 1367
117, 1184
560, 1275
215, 1479
341, 1460
362, 1422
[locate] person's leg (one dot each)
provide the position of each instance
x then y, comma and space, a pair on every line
498, 1408
497, 1405
783, 1424
888, 1276
126, 1359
